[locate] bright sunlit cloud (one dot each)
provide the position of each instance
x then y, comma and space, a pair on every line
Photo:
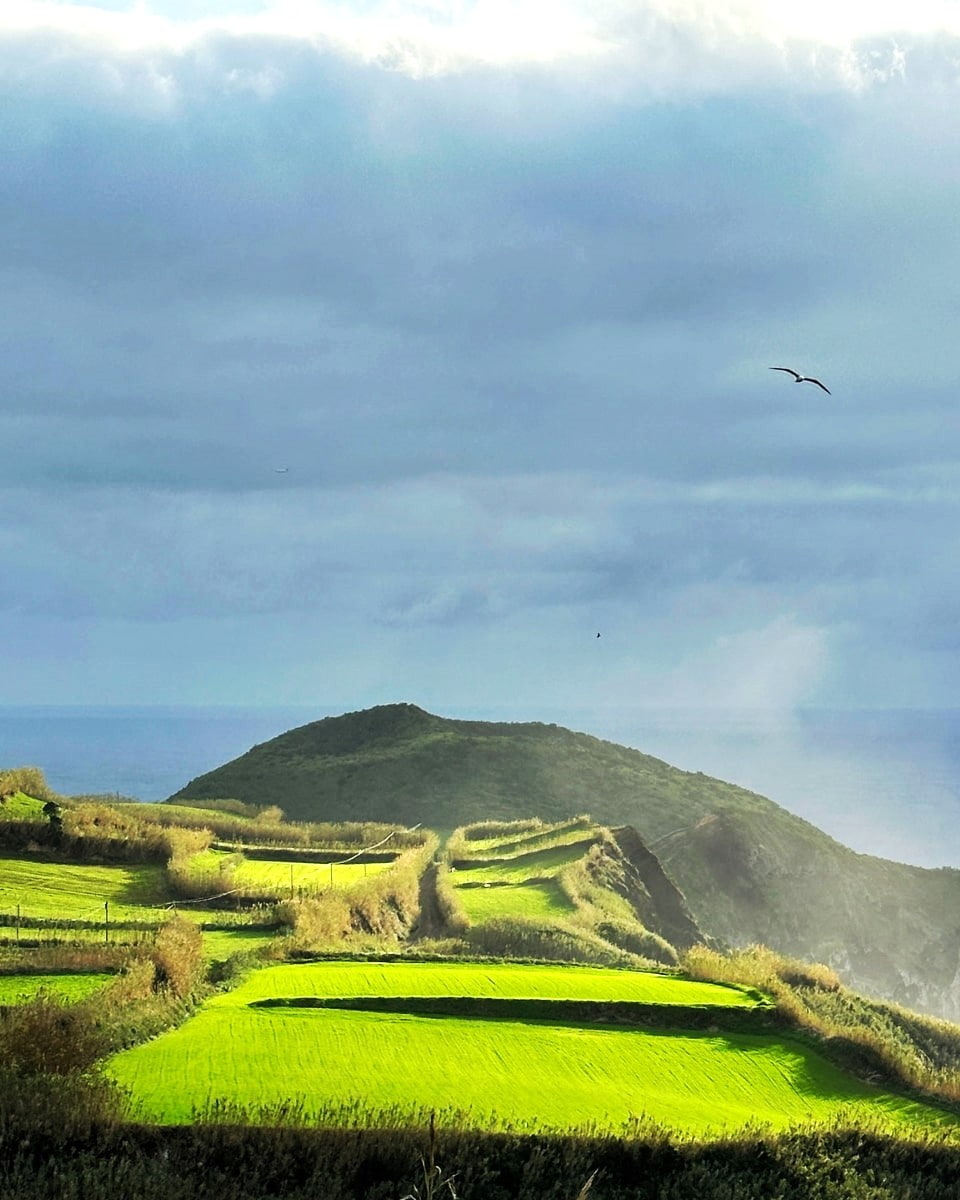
819, 37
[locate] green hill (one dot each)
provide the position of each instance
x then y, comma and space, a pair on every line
750, 870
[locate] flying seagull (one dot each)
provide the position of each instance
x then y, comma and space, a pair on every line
281, 470
798, 378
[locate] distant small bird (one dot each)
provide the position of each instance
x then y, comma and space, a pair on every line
281, 470
598, 635
798, 378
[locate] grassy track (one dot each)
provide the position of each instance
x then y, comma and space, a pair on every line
16, 989
501, 1072
44, 889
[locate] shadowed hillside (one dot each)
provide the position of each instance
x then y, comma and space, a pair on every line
750, 871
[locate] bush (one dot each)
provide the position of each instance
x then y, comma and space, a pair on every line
178, 957
49, 1036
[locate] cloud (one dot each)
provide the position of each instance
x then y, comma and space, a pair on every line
655, 47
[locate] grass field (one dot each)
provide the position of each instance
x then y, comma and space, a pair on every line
521, 884
517, 981
533, 900
502, 1072
72, 891
16, 989
220, 944
278, 877
506, 846
20, 807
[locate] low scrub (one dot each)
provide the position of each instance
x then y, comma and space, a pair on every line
551, 941
379, 910
876, 1039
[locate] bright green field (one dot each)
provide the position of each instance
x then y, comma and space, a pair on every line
515, 981
521, 885
503, 847
16, 989
273, 875
540, 864
500, 1072
45, 889
532, 900
220, 944
21, 807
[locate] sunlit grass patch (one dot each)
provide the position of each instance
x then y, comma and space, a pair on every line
501, 1072
511, 845
539, 864
507, 980
533, 900
220, 944
70, 890
18, 989
281, 877
21, 807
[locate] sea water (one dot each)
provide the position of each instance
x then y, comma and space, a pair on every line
882, 782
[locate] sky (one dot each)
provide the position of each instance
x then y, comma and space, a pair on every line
498, 285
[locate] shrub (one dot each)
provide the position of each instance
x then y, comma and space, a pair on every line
178, 956
49, 1036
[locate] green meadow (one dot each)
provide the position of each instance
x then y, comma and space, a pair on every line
534, 900
220, 944
513, 981
278, 877
18, 989
77, 891
501, 1073
520, 883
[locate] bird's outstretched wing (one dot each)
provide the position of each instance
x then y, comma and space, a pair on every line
809, 379
789, 370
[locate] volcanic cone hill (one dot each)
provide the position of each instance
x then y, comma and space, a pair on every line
750, 871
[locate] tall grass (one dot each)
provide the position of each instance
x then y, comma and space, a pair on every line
378, 911
876, 1039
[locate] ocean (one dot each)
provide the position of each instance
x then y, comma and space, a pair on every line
882, 782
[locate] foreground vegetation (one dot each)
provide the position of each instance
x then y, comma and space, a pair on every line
164, 1053
264, 1043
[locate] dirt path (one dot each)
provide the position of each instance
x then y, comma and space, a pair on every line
430, 923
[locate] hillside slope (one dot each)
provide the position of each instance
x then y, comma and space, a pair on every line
750, 871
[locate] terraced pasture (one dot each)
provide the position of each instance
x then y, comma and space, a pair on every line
73, 891
500, 1072
277, 877
505, 846
534, 900
18, 989
516, 981
521, 884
